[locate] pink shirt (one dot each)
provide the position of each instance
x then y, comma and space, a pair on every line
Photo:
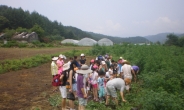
60, 68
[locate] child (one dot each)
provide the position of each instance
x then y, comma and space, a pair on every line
111, 72
94, 79
101, 85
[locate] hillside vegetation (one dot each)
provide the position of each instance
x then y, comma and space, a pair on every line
14, 20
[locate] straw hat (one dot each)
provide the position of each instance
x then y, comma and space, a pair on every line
120, 57
84, 70
125, 62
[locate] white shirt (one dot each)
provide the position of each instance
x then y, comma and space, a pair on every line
117, 83
126, 69
94, 79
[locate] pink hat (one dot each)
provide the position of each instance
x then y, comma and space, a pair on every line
95, 67
92, 61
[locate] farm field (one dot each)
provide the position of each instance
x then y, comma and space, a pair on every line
28, 89
19, 53
160, 80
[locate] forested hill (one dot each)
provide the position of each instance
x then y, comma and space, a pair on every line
161, 37
14, 20
136, 39
95, 36
78, 32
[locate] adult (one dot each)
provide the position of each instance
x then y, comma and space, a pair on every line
60, 63
82, 60
136, 71
115, 68
72, 80
103, 66
127, 72
108, 62
54, 70
112, 85
70, 60
62, 88
81, 91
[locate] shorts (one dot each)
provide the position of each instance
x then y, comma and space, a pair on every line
101, 91
127, 81
74, 87
95, 86
63, 91
111, 91
82, 101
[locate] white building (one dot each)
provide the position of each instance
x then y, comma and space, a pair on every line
72, 41
87, 42
105, 41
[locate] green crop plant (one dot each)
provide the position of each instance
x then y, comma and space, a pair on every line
160, 83
55, 100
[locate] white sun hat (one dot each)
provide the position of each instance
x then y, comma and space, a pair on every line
82, 55
84, 70
103, 62
61, 56
54, 58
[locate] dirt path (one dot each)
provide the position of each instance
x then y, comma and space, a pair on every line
27, 89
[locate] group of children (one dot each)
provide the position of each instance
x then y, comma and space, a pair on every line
103, 69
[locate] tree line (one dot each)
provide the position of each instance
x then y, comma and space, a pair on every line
173, 39
14, 20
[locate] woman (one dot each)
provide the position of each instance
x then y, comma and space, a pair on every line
127, 72
54, 70
82, 61
62, 88
60, 63
103, 67
72, 80
94, 82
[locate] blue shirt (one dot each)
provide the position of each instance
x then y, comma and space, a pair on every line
101, 81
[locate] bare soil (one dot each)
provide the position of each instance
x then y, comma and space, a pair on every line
28, 89
19, 53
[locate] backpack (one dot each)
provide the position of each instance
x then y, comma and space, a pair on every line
56, 80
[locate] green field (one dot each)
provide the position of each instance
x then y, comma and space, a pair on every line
160, 83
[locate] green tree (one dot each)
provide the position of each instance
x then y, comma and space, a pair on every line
9, 33
181, 41
172, 39
36, 28
4, 22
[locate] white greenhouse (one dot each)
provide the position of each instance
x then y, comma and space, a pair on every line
87, 42
70, 41
105, 42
